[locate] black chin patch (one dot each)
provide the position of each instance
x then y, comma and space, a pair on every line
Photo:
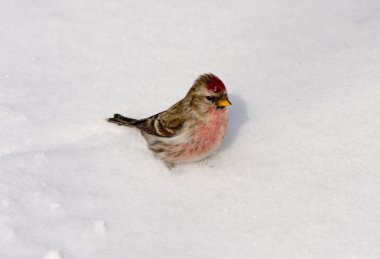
220, 107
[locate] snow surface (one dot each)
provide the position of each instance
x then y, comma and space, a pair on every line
297, 177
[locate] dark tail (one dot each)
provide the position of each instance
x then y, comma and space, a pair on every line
122, 121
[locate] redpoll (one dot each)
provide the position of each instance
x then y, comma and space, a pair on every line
191, 129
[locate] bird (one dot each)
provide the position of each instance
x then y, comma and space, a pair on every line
191, 129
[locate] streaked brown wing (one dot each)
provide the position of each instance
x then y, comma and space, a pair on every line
164, 124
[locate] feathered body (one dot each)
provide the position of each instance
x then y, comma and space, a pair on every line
191, 129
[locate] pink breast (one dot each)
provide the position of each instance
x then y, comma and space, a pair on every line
207, 137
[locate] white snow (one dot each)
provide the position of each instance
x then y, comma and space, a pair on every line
99, 226
52, 254
6, 203
297, 177
55, 206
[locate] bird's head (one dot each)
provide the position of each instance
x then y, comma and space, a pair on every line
209, 91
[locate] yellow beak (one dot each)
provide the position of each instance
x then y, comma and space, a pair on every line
224, 102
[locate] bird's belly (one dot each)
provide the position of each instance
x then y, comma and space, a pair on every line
206, 138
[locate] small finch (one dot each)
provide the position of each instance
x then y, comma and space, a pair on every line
190, 130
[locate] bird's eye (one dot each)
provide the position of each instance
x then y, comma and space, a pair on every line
210, 98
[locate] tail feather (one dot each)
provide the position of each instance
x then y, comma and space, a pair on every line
122, 121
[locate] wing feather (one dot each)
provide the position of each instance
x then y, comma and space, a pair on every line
164, 124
